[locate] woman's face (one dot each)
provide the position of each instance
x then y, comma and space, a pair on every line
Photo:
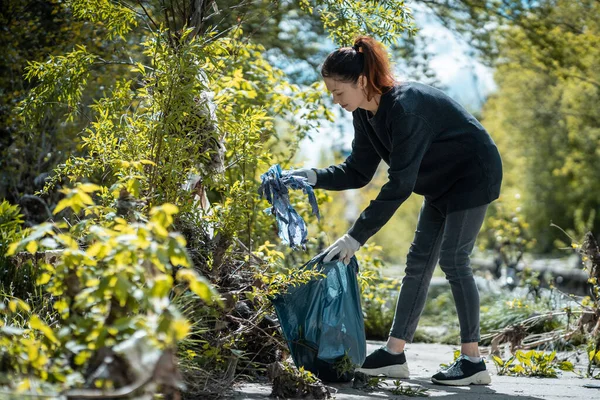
348, 95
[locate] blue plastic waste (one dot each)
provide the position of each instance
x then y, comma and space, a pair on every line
322, 320
274, 187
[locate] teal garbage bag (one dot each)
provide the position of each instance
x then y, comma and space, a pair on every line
322, 320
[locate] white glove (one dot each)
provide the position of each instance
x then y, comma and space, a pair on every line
309, 174
345, 246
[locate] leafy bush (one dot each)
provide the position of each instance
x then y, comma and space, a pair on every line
197, 102
111, 283
532, 363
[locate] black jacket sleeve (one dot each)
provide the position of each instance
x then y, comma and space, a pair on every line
411, 137
357, 170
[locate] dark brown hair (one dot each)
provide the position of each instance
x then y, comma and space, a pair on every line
366, 57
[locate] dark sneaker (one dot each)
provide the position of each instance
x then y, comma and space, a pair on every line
463, 372
381, 362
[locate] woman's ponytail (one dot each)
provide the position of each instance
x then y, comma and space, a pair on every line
366, 57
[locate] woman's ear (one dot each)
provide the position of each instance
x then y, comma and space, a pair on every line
362, 81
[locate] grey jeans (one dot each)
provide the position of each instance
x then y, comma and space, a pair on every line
449, 239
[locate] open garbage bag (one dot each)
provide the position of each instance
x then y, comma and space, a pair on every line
322, 320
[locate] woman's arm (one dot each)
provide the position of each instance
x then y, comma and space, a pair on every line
357, 170
411, 137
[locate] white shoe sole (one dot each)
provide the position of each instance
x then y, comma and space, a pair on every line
391, 371
480, 378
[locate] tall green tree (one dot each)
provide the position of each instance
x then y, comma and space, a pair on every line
549, 84
33, 31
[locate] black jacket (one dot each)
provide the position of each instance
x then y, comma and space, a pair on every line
433, 147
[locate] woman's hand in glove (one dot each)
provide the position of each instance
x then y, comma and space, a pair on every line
309, 174
345, 246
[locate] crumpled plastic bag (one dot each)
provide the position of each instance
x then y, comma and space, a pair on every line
275, 188
322, 320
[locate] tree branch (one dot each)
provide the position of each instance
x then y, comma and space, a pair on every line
156, 26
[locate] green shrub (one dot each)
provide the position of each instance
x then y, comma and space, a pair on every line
110, 284
532, 363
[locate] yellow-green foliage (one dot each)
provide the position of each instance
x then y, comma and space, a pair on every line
10, 225
532, 363
27, 343
148, 123
302, 374
544, 117
62, 80
117, 18
12, 280
34, 33
344, 20
344, 365
113, 278
278, 282
593, 352
177, 132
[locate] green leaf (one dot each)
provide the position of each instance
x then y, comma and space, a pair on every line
31, 247
62, 204
89, 187
566, 366
12, 249
82, 357
141, 68
134, 187
498, 361
200, 286
23, 306
121, 290
36, 323
43, 279
518, 369
169, 209
162, 284
181, 328
83, 198
62, 307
